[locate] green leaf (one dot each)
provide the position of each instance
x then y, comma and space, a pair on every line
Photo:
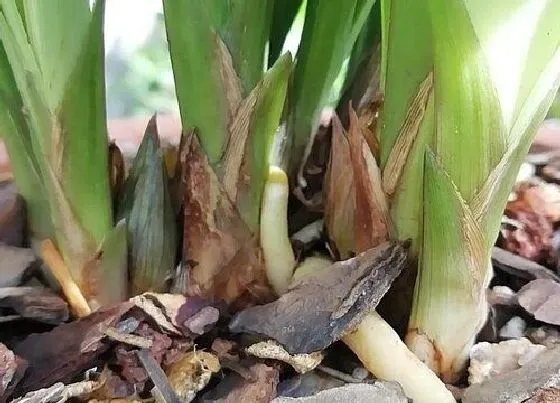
470, 134
450, 285
406, 61
57, 43
264, 123
17, 138
283, 17
196, 70
245, 31
365, 46
329, 32
113, 266
82, 118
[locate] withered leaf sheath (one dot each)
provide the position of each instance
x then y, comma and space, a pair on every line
146, 205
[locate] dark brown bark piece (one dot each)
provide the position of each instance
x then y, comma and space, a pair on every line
12, 369
320, 308
35, 303
68, 349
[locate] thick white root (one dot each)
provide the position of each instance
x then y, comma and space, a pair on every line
384, 354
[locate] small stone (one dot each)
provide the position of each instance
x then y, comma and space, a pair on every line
502, 295
378, 392
360, 373
307, 384
513, 329
489, 360
541, 373
546, 335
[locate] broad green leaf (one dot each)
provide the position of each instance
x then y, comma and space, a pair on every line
450, 286
283, 17
57, 123
16, 137
407, 60
200, 92
470, 133
264, 123
57, 30
407, 205
82, 118
113, 266
554, 111
329, 32
245, 31
365, 46
407, 55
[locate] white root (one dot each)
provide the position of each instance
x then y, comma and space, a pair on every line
276, 246
385, 355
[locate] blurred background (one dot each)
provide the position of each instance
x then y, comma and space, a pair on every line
138, 68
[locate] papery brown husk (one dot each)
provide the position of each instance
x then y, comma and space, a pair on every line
356, 210
223, 258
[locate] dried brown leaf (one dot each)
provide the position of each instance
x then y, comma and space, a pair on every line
372, 211
340, 202
307, 319
356, 209
532, 235
520, 267
230, 81
235, 152
407, 134
223, 258
116, 170
270, 349
191, 373
541, 298
161, 312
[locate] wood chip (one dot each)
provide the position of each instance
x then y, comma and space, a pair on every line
520, 266
35, 303
321, 308
68, 349
541, 298
130, 339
